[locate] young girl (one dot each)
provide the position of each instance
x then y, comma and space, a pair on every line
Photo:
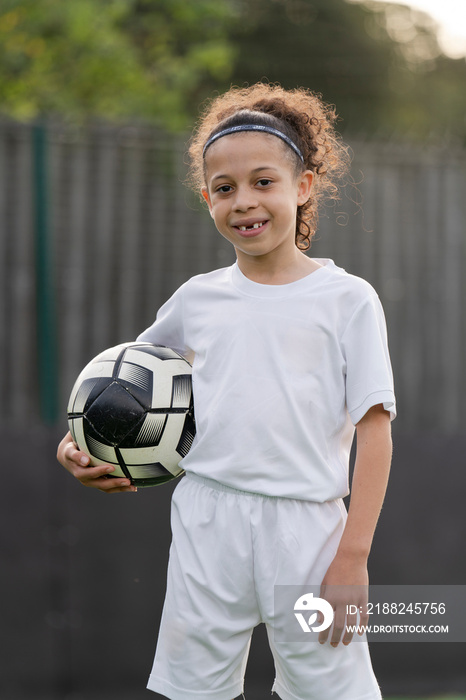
289, 354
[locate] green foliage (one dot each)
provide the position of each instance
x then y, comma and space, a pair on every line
379, 63
425, 91
157, 60
321, 45
143, 59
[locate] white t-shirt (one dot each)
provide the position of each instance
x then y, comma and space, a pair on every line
281, 374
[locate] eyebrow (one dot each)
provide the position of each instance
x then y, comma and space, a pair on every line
256, 170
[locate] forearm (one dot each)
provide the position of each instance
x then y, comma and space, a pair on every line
370, 479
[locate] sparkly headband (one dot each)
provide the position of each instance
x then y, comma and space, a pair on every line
254, 127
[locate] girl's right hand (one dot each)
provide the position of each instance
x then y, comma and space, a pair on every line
77, 463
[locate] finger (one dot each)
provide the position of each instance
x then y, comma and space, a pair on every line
83, 472
338, 625
110, 485
70, 456
74, 454
363, 609
127, 489
116, 485
97, 471
94, 476
351, 621
100, 476
323, 636
320, 618
363, 622
63, 447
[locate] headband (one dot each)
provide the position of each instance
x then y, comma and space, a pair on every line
254, 127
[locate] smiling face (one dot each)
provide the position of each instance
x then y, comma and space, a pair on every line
253, 192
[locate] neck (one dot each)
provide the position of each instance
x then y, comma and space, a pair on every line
277, 270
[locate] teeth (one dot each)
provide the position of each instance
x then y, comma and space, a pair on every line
249, 228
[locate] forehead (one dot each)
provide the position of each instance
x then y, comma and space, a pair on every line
247, 151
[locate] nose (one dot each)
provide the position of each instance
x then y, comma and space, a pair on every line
245, 198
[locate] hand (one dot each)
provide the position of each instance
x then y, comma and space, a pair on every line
346, 583
77, 463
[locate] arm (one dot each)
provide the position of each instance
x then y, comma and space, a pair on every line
370, 478
77, 463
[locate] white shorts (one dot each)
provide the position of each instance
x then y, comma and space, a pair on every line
229, 550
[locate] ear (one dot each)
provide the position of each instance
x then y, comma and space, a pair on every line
305, 181
206, 196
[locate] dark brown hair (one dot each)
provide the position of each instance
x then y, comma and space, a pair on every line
303, 117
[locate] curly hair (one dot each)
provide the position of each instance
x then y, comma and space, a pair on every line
302, 116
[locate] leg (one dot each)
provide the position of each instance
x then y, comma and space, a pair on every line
311, 671
296, 543
210, 607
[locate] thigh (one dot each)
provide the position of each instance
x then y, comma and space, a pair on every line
313, 671
294, 544
302, 539
210, 608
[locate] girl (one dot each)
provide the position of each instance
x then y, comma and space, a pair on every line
289, 358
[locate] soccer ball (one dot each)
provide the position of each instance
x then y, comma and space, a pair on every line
132, 407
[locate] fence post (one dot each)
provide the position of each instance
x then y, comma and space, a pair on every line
46, 315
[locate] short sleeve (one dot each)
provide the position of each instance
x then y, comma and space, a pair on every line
168, 327
369, 377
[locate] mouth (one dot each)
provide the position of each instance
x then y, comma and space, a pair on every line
249, 230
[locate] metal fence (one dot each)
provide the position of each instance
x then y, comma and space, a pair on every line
124, 233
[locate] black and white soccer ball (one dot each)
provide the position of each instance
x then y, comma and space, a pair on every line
132, 407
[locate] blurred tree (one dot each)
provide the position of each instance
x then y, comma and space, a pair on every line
157, 60
425, 91
144, 59
379, 63
321, 44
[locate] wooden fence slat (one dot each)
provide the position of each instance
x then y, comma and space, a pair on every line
130, 248
156, 236
104, 246
22, 327
430, 310
452, 358
73, 315
4, 273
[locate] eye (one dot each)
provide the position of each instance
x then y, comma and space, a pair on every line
264, 182
224, 189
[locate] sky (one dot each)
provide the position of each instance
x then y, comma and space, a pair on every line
451, 16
